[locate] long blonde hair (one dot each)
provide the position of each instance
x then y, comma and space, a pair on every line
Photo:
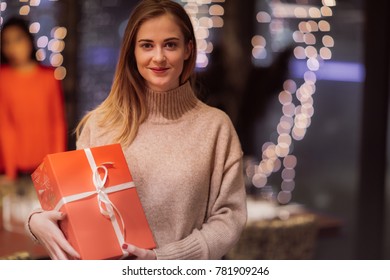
125, 108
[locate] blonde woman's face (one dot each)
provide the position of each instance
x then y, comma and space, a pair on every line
160, 52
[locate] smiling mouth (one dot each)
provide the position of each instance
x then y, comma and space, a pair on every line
159, 69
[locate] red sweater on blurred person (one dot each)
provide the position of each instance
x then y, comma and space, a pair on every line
32, 121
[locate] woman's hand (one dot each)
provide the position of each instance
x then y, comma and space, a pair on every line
139, 253
44, 226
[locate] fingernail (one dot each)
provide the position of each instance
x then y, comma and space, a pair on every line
124, 246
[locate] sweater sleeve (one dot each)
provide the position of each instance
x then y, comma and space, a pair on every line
226, 215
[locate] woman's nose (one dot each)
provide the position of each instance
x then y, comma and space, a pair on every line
159, 56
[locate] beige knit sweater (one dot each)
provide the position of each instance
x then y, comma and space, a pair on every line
186, 162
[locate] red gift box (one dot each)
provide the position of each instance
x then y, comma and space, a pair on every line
95, 189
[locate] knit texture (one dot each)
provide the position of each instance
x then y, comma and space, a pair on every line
186, 162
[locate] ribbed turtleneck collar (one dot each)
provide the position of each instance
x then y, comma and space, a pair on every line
170, 105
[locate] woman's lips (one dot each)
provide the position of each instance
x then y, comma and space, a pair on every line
159, 70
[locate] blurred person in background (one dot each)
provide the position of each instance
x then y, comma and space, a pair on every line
32, 121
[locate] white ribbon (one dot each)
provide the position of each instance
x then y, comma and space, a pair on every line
106, 207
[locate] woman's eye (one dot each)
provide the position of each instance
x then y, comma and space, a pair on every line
146, 46
170, 45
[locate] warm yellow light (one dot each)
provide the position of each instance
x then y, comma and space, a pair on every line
324, 26
202, 60
283, 127
259, 180
191, 8
289, 110
201, 44
40, 54
259, 52
263, 17
35, 2
298, 36
328, 41
310, 77
284, 138
216, 10
42, 42
277, 165
284, 197
288, 174
329, 3
314, 12
217, 22
282, 149
307, 109
56, 60
326, 11
60, 73
290, 86
312, 26
311, 52
270, 152
60, 33
309, 39
258, 40
302, 121
210, 47
290, 161
267, 145
288, 185
287, 121
298, 133
206, 22
35, 27
264, 168
299, 52
325, 53
300, 12
303, 27
24, 10
285, 97
195, 22
202, 2
313, 64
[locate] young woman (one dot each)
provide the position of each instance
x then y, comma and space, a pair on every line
32, 121
185, 156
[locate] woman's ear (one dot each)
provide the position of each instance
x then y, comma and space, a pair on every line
188, 51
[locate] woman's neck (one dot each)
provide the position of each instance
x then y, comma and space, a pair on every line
170, 105
26, 67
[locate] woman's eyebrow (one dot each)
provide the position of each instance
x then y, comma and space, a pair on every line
171, 39
165, 40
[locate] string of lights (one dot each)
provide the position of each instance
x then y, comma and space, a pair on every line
205, 15
313, 44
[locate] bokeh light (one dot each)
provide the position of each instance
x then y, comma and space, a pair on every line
205, 15
35, 27
24, 10
312, 45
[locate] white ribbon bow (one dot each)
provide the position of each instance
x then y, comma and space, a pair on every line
106, 207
